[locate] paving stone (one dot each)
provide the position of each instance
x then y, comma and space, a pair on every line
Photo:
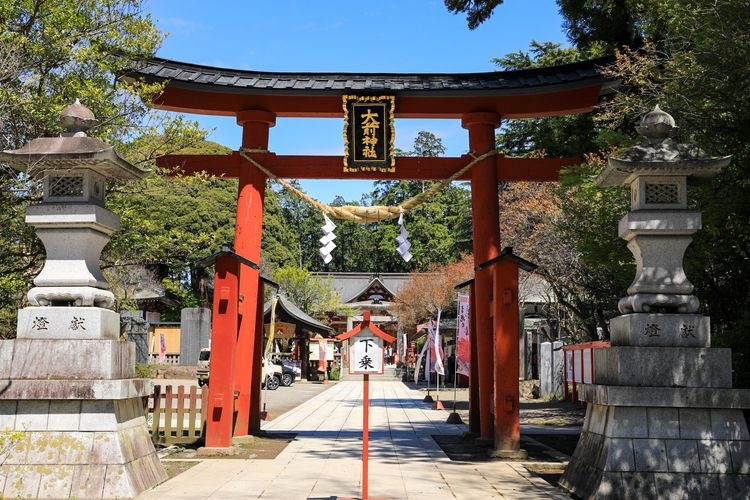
32, 415
19, 451
650, 455
740, 453
627, 422
64, 416
734, 487
663, 423
117, 483
728, 424
44, 448
715, 456
639, 485
21, 481
682, 455
684, 486
8, 414
98, 416
695, 423
77, 448
106, 449
88, 481
620, 456
56, 482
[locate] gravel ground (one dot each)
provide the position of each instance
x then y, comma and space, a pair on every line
552, 413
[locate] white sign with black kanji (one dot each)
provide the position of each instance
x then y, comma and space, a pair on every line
365, 353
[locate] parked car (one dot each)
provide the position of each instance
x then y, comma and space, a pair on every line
204, 358
271, 383
290, 372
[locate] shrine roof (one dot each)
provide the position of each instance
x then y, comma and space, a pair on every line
296, 315
315, 83
207, 79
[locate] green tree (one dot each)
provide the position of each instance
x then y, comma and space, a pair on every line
52, 52
313, 294
169, 222
691, 58
694, 69
280, 244
607, 23
477, 11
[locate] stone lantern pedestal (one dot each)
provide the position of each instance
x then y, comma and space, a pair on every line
68, 378
662, 419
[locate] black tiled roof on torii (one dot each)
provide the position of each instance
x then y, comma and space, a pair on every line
447, 84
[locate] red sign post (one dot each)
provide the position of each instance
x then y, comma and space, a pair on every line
365, 357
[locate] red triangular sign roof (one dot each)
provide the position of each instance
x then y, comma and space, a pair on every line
366, 323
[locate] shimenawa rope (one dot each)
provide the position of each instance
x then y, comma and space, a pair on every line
364, 215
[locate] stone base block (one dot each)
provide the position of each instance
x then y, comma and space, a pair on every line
677, 397
104, 451
646, 452
57, 416
68, 323
75, 389
508, 454
67, 359
663, 366
653, 485
664, 330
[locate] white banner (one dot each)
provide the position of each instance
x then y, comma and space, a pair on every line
437, 347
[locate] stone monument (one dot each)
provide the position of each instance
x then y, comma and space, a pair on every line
662, 419
67, 379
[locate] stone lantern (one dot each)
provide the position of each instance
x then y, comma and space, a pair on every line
662, 419
70, 388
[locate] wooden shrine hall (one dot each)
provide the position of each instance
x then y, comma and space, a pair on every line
368, 104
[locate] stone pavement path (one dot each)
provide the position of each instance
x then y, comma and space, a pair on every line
324, 460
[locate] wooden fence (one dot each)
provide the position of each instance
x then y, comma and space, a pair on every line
177, 417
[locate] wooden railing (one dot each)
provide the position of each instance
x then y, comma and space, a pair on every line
177, 417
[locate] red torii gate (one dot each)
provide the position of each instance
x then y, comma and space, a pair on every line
479, 100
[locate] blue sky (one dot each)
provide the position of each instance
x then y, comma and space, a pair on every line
402, 36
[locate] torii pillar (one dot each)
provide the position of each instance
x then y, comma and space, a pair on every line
486, 232
247, 237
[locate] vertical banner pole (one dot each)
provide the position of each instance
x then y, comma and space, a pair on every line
365, 433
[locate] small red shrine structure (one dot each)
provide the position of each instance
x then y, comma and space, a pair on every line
505, 320
480, 100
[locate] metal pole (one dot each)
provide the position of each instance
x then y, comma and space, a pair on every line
365, 433
455, 371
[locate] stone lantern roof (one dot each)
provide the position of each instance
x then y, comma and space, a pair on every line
71, 150
659, 155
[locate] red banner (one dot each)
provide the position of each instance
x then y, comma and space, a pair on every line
463, 348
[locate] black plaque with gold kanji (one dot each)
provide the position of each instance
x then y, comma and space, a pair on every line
369, 133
